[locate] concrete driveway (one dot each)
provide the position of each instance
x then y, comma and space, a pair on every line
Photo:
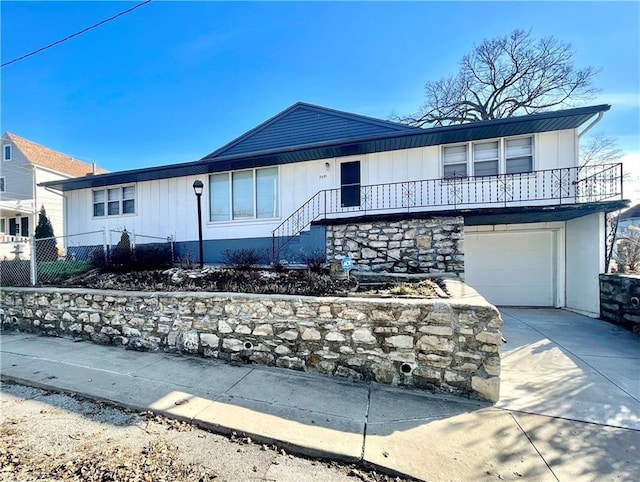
561, 364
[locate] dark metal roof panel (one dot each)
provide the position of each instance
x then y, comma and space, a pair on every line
303, 124
550, 121
490, 215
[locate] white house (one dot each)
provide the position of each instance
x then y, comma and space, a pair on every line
630, 217
534, 222
24, 166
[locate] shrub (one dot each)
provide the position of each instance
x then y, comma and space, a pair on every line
97, 257
242, 259
46, 247
122, 256
153, 256
315, 260
187, 261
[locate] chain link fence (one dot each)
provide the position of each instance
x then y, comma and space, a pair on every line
64, 257
50, 260
129, 250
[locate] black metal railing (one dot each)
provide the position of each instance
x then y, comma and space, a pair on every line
572, 185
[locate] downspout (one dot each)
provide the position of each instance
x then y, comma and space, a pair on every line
590, 126
584, 131
64, 207
35, 201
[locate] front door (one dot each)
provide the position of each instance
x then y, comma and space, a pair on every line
350, 184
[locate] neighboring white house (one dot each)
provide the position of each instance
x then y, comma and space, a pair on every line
534, 222
629, 217
24, 166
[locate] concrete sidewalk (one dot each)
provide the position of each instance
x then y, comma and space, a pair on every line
538, 431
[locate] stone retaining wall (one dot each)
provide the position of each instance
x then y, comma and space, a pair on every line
442, 345
433, 245
620, 300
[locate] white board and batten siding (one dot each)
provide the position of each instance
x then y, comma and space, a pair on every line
167, 207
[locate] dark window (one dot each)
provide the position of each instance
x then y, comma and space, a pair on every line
114, 201
24, 226
7, 153
21, 229
350, 184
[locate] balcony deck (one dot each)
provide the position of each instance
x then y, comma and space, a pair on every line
535, 191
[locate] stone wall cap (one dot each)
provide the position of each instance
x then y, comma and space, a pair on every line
619, 275
462, 295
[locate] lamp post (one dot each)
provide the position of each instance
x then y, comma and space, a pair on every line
197, 188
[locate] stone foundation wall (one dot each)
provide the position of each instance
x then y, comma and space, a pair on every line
442, 345
433, 245
620, 300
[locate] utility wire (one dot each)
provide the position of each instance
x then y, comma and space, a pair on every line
75, 34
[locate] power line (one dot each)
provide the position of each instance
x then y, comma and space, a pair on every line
75, 34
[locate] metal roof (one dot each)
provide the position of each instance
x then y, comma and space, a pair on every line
303, 124
632, 213
220, 161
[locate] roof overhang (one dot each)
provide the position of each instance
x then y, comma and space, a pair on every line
493, 215
24, 206
545, 122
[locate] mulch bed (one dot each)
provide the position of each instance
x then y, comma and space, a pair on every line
290, 281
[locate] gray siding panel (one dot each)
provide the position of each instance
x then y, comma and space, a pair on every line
18, 177
305, 126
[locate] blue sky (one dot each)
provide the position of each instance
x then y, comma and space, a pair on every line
172, 81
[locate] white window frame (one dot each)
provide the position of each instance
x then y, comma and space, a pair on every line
502, 155
253, 217
4, 152
466, 163
3, 183
533, 153
474, 161
4, 223
121, 200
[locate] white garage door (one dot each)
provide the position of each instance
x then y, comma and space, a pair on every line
512, 268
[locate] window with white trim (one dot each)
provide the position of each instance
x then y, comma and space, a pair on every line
455, 161
6, 152
2, 186
488, 158
246, 194
518, 155
3, 225
114, 201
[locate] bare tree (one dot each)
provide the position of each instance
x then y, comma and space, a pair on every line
503, 77
627, 251
600, 150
